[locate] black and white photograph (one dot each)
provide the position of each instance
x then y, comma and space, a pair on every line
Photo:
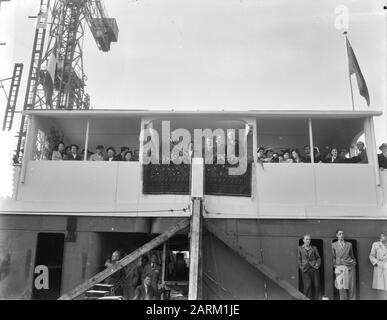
209, 151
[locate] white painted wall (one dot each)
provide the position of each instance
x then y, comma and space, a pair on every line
279, 190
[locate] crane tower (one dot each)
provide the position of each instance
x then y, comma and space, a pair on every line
56, 78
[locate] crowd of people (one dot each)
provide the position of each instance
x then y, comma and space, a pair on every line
71, 152
344, 264
264, 155
140, 280
324, 155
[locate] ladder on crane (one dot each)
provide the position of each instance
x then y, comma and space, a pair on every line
33, 78
12, 96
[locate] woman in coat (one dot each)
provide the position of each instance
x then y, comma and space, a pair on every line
378, 258
59, 152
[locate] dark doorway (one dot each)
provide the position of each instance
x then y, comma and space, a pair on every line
336, 295
49, 252
177, 258
319, 244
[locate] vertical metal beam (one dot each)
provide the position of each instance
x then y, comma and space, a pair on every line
195, 278
86, 139
311, 140
255, 140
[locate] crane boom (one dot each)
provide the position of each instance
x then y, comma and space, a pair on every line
103, 28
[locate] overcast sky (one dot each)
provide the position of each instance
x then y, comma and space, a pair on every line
221, 54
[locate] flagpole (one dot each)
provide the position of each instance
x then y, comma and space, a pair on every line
349, 74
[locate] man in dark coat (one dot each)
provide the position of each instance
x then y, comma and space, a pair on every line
309, 262
154, 271
121, 156
145, 291
74, 156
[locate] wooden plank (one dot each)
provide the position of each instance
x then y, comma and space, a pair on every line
268, 272
104, 285
125, 261
194, 253
97, 291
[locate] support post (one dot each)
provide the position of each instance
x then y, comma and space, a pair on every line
311, 140
86, 139
195, 276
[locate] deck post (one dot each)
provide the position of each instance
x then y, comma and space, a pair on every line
195, 276
195, 253
86, 139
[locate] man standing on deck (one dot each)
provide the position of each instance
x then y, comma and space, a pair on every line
309, 262
344, 263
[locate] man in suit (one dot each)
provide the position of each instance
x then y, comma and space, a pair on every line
111, 154
334, 157
121, 156
154, 271
73, 156
309, 262
145, 291
344, 263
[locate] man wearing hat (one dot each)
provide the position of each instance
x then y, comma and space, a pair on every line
382, 157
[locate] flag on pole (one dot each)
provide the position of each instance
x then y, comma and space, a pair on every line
50, 78
355, 68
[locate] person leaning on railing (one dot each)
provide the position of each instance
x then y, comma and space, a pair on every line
111, 154
73, 156
128, 156
334, 157
121, 156
59, 152
382, 157
285, 157
362, 155
98, 155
